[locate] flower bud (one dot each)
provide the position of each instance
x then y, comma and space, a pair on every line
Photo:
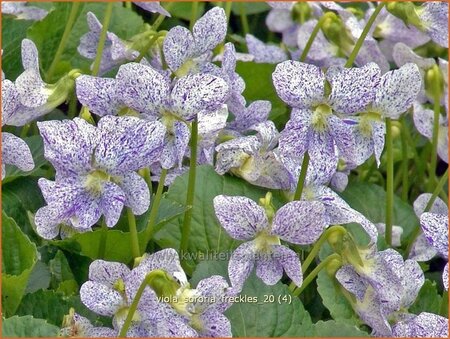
405, 11
301, 12
434, 83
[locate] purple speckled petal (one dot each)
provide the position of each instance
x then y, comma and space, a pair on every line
233, 153
69, 144
107, 272
434, 16
214, 325
142, 88
30, 57
100, 299
198, 92
425, 325
435, 228
300, 222
268, 268
422, 250
137, 194
101, 332
298, 84
322, 152
23, 11
422, 200
352, 89
413, 279
241, 264
267, 134
182, 136
290, 262
10, 100
46, 220
364, 147
111, 203
279, 20
211, 123
16, 152
89, 41
264, 53
371, 313
294, 139
152, 6
351, 281
445, 277
321, 49
403, 54
339, 181
342, 132
398, 90
257, 111
273, 173
286, 5
214, 288
210, 30
397, 232
371, 52
128, 143
178, 46
241, 217
378, 132
98, 94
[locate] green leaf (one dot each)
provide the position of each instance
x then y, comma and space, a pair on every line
259, 86
13, 31
21, 196
39, 278
428, 299
206, 236
37, 151
369, 199
27, 327
249, 7
183, 10
61, 273
19, 255
52, 306
333, 299
261, 310
333, 328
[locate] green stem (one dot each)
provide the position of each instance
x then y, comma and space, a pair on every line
191, 190
430, 203
155, 207
103, 238
228, 5
161, 17
315, 272
434, 144
389, 182
313, 36
25, 129
128, 4
133, 307
244, 19
405, 164
194, 14
302, 176
102, 39
64, 39
316, 248
363, 35
133, 234
147, 48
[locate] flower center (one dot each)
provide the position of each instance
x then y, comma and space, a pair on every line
319, 119
365, 123
186, 68
264, 242
95, 181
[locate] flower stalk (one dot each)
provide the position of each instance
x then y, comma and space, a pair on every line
101, 42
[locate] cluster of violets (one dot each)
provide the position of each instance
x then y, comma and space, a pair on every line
145, 118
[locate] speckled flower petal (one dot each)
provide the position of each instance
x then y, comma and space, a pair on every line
425, 325
198, 92
273, 173
10, 100
339, 181
371, 313
370, 52
286, 5
435, 228
89, 41
294, 139
290, 262
107, 272
98, 94
182, 136
257, 111
16, 152
232, 153
30, 57
298, 84
342, 132
378, 133
137, 194
22, 11
47, 220
215, 325
178, 47
398, 90
111, 203
241, 217
402, 54
101, 332
413, 279
322, 152
69, 144
321, 49
128, 143
241, 264
352, 89
300, 222
152, 6
422, 200
422, 250
142, 88
279, 20
210, 30
396, 234
264, 53
351, 281
268, 268
100, 299
434, 16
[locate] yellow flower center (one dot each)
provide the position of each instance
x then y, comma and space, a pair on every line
365, 123
265, 241
95, 181
320, 117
